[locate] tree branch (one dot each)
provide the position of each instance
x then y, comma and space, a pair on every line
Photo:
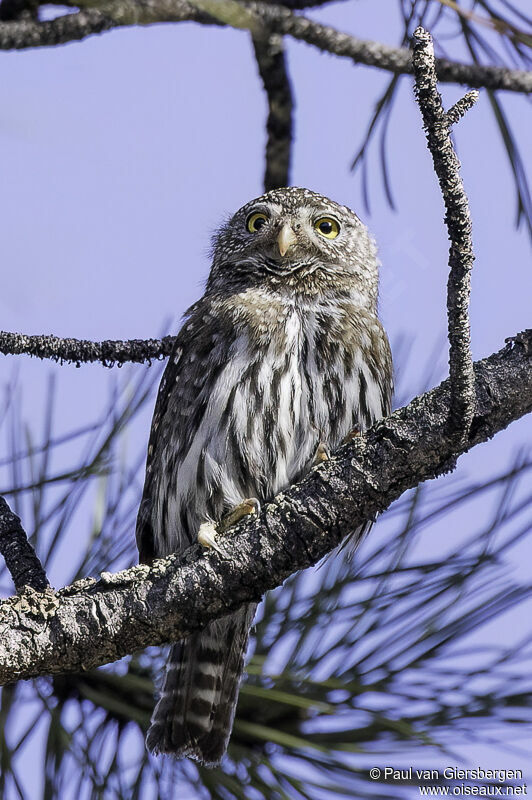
20, 557
458, 219
296, 5
461, 107
97, 622
77, 351
274, 19
271, 61
18, 9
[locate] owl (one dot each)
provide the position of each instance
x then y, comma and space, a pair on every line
274, 366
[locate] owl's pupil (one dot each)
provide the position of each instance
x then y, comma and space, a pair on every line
259, 223
326, 227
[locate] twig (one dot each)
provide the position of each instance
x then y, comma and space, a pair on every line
22, 34
271, 62
78, 351
276, 19
20, 557
97, 622
458, 220
296, 5
461, 107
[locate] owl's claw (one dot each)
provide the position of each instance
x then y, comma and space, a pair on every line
248, 506
321, 454
207, 535
353, 434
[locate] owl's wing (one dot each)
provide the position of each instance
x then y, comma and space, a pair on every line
144, 532
176, 408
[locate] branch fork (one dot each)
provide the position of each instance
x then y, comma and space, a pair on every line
20, 557
437, 124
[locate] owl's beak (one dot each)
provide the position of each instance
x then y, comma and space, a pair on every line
286, 239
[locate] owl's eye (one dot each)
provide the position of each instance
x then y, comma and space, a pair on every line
328, 227
256, 221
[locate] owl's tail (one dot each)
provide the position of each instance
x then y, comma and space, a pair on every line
195, 712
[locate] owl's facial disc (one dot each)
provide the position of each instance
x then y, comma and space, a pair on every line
288, 241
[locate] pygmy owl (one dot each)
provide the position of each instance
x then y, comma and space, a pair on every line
279, 360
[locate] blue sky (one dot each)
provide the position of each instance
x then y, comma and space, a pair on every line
122, 154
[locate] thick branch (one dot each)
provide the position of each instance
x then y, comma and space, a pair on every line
97, 622
274, 19
79, 351
20, 557
271, 62
458, 220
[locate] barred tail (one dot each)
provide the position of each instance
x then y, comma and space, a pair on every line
195, 712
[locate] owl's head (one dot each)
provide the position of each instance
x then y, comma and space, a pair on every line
296, 240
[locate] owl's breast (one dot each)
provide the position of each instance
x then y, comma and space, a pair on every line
300, 387
289, 378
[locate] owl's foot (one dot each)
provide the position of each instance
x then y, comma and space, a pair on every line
248, 506
209, 533
207, 536
321, 454
353, 434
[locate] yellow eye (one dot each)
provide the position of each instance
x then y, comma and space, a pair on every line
256, 221
328, 227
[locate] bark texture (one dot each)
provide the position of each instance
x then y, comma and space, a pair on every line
94, 622
78, 351
97, 16
20, 557
271, 62
437, 127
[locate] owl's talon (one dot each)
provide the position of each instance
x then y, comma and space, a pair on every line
354, 433
248, 506
321, 454
207, 535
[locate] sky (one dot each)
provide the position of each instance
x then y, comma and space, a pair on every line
123, 153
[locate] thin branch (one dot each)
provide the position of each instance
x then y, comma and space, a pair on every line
296, 5
461, 107
271, 62
458, 220
494, 22
524, 200
26, 33
78, 351
20, 557
97, 622
273, 19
